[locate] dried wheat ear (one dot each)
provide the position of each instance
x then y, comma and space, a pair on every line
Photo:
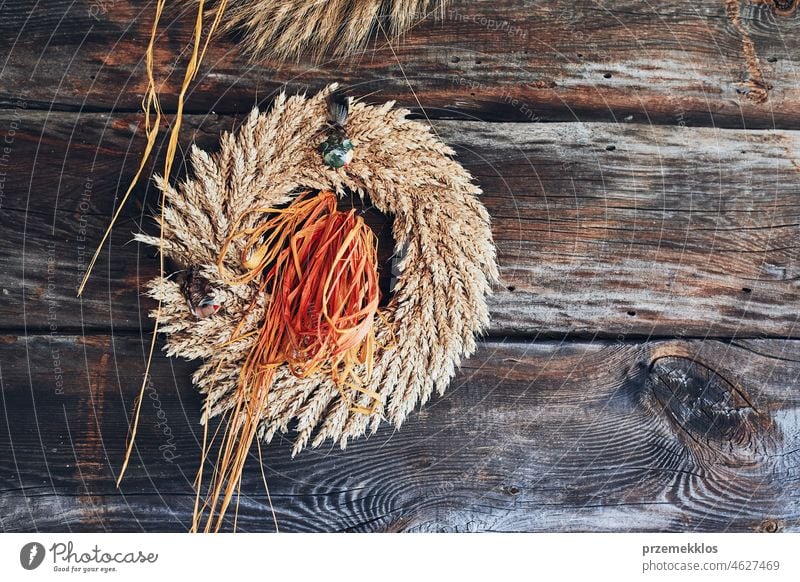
287, 29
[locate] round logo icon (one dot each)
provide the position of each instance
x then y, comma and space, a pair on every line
31, 555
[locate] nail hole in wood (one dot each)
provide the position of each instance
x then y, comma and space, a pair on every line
746, 290
611, 148
511, 288
632, 313
607, 75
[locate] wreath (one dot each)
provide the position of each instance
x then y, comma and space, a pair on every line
442, 238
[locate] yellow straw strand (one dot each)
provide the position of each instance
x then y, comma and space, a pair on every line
172, 147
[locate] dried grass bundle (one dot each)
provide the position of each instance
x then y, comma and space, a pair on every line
436, 308
286, 29
151, 108
317, 268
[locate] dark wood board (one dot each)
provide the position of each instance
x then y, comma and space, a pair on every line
602, 436
671, 62
602, 229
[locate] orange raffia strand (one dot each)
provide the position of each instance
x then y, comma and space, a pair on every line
319, 267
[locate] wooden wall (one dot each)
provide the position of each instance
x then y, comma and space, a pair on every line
640, 162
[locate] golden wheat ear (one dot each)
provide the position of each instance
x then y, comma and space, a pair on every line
287, 29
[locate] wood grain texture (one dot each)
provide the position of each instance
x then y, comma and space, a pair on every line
675, 61
632, 215
667, 436
602, 229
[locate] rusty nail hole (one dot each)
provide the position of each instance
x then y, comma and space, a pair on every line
511, 288
746, 290
632, 313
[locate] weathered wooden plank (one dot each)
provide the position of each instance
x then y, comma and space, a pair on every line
610, 229
676, 61
597, 436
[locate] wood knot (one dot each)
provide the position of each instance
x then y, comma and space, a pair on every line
769, 526
756, 90
783, 7
754, 87
716, 420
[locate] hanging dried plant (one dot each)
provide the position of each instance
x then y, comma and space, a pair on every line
286, 29
300, 342
313, 303
438, 303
